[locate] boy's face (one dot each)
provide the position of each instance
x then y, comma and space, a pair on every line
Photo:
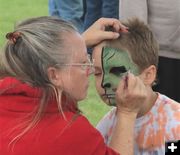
110, 66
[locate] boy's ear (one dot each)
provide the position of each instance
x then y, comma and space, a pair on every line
149, 75
54, 76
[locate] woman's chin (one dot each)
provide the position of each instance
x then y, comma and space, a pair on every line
82, 97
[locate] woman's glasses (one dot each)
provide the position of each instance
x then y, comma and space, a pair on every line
84, 66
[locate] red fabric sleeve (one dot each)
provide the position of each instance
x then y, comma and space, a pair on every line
53, 135
84, 139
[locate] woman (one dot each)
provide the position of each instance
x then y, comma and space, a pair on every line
44, 74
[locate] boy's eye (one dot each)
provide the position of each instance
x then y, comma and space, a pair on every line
97, 73
118, 70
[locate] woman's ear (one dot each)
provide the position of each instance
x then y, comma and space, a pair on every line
149, 75
54, 76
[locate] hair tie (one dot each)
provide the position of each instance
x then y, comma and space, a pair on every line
13, 36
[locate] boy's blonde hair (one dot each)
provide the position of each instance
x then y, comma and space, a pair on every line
139, 42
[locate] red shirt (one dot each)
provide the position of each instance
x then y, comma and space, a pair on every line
53, 135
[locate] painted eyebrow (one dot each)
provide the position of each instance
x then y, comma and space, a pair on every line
120, 69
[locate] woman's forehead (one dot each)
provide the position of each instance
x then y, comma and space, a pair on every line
76, 46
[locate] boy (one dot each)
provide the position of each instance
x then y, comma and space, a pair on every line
158, 120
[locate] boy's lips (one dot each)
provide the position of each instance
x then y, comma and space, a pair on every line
108, 95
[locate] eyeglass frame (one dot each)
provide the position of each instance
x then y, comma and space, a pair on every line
82, 65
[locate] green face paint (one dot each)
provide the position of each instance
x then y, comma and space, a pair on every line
115, 64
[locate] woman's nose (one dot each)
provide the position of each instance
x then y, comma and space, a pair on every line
89, 71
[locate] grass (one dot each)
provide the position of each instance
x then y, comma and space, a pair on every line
12, 11
92, 106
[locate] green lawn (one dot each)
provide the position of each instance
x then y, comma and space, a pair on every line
12, 11
92, 106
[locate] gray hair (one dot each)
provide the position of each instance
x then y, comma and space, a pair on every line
39, 44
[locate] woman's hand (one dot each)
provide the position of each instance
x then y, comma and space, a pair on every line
96, 33
131, 94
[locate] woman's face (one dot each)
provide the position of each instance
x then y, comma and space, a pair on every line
77, 70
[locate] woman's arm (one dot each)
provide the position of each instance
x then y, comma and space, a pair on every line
130, 96
96, 33
123, 134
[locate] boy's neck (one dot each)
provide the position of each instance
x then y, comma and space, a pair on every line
149, 103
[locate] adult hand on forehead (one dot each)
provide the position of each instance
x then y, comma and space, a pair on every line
96, 33
131, 94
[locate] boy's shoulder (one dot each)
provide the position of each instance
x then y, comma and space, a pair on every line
111, 114
166, 107
167, 103
169, 112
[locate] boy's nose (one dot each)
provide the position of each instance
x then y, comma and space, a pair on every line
106, 85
